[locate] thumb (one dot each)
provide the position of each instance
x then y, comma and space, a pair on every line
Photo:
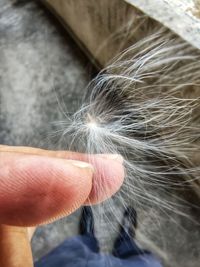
35, 189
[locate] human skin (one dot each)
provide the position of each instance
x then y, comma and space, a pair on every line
38, 186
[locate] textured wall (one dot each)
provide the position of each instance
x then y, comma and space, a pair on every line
181, 16
103, 27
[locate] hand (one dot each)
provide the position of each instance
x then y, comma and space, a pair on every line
39, 186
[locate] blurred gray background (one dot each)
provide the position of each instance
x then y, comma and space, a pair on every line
42, 75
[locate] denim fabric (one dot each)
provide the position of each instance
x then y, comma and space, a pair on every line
83, 251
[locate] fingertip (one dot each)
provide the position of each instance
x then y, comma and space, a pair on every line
40, 189
108, 177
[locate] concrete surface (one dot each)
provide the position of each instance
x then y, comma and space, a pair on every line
42, 74
181, 16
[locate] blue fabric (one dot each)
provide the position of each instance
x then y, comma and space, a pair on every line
82, 251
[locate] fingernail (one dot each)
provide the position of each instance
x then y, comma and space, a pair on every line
116, 157
81, 164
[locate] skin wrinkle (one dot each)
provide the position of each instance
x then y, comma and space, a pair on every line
27, 182
45, 198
